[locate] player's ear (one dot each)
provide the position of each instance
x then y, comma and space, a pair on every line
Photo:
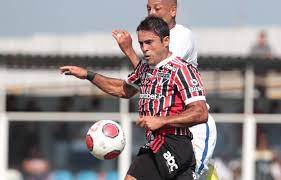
173, 11
166, 41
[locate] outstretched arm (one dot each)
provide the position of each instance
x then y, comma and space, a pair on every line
124, 41
195, 113
112, 86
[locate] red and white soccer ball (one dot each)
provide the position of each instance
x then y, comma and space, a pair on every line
105, 139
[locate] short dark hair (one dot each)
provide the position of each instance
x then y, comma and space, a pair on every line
155, 24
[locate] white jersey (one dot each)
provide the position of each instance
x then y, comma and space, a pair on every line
182, 44
204, 142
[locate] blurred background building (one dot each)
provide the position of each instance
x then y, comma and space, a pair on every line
44, 116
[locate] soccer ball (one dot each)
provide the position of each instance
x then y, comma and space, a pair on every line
105, 139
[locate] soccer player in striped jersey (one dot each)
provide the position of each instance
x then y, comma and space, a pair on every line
172, 98
182, 44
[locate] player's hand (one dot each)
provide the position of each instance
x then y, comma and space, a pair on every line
150, 122
124, 40
78, 72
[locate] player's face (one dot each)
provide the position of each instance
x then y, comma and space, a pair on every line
161, 8
153, 49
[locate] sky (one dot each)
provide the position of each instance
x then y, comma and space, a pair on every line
29, 17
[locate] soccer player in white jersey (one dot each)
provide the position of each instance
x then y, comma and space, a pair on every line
182, 44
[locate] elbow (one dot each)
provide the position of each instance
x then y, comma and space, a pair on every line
119, 93
202, 115
198, 112
125, 96
122, 95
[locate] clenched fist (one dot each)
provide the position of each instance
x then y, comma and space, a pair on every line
123, 39
150, 122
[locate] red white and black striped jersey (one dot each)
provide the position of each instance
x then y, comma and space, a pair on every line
166, 88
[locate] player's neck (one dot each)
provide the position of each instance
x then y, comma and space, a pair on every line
165, 56
172, 24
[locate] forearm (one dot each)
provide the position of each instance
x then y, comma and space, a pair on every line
193, 115
132, 56
110, 86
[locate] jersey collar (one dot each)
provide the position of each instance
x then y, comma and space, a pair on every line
165, 61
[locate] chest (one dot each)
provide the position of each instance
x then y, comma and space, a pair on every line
158, 78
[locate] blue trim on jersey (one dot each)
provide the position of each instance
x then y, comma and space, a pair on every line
205, 149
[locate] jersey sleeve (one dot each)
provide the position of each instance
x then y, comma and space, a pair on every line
189, 84
134, 79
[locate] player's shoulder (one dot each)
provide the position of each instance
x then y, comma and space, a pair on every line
182, 29
143, 62
141, 65
174, 63
178, 63
181, 34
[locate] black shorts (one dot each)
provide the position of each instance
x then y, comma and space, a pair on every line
173, 161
